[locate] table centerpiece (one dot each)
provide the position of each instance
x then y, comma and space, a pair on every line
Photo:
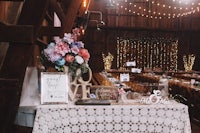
68, 55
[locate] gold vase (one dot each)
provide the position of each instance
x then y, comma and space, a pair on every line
107, 61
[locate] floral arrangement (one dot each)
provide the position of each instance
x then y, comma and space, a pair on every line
66, 51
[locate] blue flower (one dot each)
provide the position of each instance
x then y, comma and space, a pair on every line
52, 44
60, 62
77, 44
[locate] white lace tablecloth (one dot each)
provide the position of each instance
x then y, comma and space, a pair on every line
170, 118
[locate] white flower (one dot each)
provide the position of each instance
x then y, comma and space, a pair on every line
79, 59
68, 38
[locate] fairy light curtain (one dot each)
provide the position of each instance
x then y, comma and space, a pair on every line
148, 53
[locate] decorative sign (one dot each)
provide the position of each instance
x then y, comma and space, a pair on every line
131, 63
80, 87
106, 93
54, 87
124, 77
136, 70
155, 98
192, 81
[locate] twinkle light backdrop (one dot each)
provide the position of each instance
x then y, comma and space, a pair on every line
148, 53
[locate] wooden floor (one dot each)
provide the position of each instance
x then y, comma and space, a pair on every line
18, 129
21, 129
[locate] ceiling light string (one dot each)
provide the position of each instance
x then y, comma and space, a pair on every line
181, 3
163, 14
185, 2
193, 5
161, 17
156, 14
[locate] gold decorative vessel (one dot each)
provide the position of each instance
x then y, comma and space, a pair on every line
188, 62
107, 60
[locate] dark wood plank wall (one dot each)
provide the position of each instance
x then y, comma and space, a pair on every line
16, 60
21, 54
129, 25
105, 41
186, 29
4, 17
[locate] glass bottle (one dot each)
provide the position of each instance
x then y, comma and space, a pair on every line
164, 86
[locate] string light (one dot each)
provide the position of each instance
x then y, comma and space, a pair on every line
178, 11
183, 1
162, 15
84, 3
148, 53
174, 7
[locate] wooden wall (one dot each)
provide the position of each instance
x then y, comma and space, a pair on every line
8, 13
119, 24
122, 24
104, 41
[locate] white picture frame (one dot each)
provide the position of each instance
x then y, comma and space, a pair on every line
124, 77
54, 87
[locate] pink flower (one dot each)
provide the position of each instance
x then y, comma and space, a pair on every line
74, 37
54, 57
62, 48
84, 53
51, 55
75, 49
121, 91
76, 31
69, 58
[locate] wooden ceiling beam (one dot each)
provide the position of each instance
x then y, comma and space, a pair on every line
55, 31
16, 33
71, 14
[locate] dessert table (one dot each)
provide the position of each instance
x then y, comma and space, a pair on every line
122, 118
131, 117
